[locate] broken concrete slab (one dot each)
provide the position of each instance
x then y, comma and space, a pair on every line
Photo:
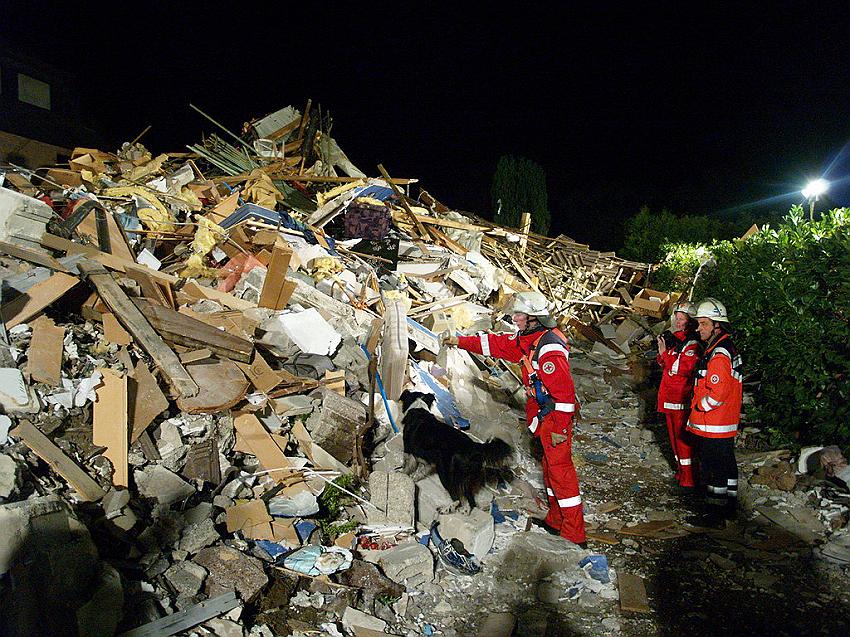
431, 498
155, 481
410, 564
334, 426
353, 619
394, 495
23, 219
310, 332
198, 536
230, 569
9, 476
186, 578
476, 530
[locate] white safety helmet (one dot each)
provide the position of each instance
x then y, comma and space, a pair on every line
687, 307
534, 304
712, 309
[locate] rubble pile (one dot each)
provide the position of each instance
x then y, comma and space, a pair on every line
200, 361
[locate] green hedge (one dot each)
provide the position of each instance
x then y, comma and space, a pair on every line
787, 291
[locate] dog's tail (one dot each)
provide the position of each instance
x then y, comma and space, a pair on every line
496, 452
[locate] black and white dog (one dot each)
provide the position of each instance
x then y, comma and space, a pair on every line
462, 464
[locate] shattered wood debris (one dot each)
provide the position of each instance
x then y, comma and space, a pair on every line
211, 345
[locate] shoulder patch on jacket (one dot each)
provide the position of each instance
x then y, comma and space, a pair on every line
714, 379
690, 352
548, 367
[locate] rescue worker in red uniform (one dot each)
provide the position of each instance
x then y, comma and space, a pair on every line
543, 351
678, 360
716, 413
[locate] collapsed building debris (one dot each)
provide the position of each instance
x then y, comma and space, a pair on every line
202, 354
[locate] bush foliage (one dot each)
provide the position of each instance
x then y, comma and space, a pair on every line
519, 185
787, 291
649, 234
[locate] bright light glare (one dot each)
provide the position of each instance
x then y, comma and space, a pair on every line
815, 188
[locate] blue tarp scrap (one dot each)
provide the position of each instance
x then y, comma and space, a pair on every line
275, 550
445, 401
597, 567
274, 218
304, 528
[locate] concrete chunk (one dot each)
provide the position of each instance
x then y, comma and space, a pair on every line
333, 427
393, 494
158, 482
186, 578
352, 619
475, 530
430, 498
197, 536
230, 570
410, 564
23, 219
8, 476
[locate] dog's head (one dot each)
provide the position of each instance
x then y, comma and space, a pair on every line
410, 399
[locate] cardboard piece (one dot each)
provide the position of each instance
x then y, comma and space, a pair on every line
221, 385
229, 301
261, 444
247, 515
45, 352
110, 427
146, 400
651, 302
22, 308
113, 331
647, 529
276, 289
43, 447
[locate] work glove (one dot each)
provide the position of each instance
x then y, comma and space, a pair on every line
448, 339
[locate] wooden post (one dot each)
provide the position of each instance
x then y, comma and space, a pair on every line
525, 228
423, 233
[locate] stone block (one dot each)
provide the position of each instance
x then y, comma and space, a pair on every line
410, 564
8, 476
333, 427
353, 619
229, 570
186, 578
430, 497
476, 530
165, 486
393, 494
197, 536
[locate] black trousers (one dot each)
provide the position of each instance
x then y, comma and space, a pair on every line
719, 473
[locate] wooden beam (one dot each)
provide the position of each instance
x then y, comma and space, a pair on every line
135, 323
525, 227
190, 332
44, 448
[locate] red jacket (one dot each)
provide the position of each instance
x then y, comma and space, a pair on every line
677, 373
718, 393
550, 360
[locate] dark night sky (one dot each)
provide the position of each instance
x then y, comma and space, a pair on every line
698, 113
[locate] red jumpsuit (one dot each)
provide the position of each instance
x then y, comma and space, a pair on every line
546, 355
678, 366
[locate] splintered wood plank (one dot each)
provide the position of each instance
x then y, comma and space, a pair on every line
260, 373
44, 448
632, 593
33, 256
146, 400
184, 330
647, 529
145, 335
45, 352
185, 619
24, 307
110, 428
222, 384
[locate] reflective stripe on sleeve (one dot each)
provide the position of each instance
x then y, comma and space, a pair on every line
685, 462
485, 344
705, 405
532, 426
566, 503
550, 492
678, 406
553, 347
713, 401
565, 407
